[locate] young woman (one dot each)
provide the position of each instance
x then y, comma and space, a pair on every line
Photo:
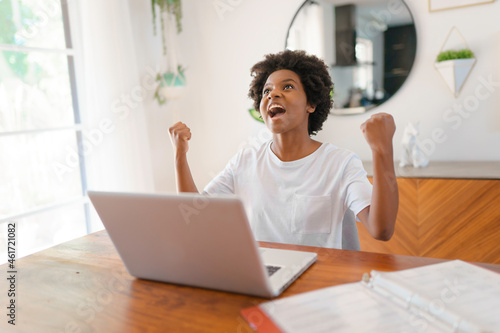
295, 189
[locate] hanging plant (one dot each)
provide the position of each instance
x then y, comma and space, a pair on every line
170, 85
172, 7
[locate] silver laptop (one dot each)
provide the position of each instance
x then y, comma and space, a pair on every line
195, 240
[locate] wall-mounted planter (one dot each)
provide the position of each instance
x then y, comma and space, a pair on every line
455, 72
455, 62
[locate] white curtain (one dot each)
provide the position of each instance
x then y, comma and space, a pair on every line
116, 144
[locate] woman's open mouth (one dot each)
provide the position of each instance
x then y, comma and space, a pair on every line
276, 111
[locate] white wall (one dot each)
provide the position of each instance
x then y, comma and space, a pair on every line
218, 48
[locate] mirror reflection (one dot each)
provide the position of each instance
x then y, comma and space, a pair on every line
370, 46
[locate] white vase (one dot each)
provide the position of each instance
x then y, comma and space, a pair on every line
455, 72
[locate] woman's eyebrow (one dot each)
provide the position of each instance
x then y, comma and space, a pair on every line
283, 81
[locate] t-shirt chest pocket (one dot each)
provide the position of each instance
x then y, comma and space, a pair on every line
312, 214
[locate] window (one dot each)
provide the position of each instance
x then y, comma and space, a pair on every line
42, 164
307, 31
364, 71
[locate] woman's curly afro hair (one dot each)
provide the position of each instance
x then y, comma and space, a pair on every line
313, 73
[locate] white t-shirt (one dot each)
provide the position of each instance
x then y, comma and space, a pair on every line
299, 202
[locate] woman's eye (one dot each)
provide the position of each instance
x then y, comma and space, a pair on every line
266, 91
288, 86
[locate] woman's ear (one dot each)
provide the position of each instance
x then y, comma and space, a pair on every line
310, 109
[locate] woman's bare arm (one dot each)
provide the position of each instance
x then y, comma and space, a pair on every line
180, 134
380, 217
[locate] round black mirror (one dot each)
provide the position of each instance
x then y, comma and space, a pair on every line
369, 45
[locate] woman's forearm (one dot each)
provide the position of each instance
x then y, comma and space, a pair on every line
184, 179
385, 197
180, 134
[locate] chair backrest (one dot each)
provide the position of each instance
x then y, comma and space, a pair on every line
350, 238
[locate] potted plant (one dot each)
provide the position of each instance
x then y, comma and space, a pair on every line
455, 67
170, 85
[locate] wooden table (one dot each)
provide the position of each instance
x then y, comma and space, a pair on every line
82, 286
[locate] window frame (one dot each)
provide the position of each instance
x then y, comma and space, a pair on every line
72, 59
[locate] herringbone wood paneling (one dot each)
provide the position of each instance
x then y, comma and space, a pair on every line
444, 218
460, 219
405, 240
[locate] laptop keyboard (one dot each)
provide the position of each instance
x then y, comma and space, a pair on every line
272, 269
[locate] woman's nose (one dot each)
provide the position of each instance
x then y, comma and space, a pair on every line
273, 93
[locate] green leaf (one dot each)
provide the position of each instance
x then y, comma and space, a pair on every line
255, 115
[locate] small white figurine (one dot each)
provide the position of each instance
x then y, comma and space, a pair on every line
411, 154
